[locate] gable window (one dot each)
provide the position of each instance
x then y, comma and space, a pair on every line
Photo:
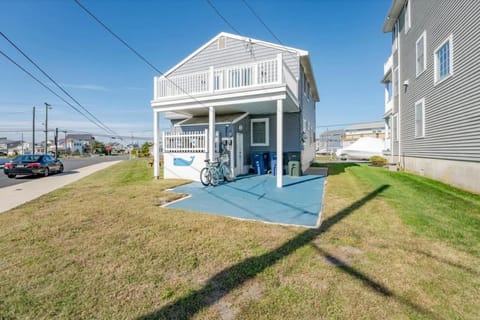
222, 42
420, 54
408, 17
443, 56
259, 132
420, 118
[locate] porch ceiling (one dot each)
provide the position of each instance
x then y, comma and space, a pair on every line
264, 107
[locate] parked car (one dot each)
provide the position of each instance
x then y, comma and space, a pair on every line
3, 161
32, 164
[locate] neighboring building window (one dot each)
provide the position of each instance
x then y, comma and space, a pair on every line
444, 60
395, 128
395, 37
408, 17
420, 118
420, 54
260, 132
395, 81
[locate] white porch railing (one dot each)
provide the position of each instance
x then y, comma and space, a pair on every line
233, 77
192, 141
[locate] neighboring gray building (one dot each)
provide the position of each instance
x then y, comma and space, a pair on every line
432, 89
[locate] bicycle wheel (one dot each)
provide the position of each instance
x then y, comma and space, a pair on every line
205, 176
227, 173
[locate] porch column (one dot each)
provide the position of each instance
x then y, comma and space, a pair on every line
211, 133
156, 145
279, 143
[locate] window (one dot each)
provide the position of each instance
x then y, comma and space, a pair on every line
395, 128
222, 42
408, 17
444, 60
420, 54
420, 118
259, 132
395, 81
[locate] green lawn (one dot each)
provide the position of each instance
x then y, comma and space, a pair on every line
391, 245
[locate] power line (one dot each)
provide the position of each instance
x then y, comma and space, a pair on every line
136, 52
48, 88
261, 21
221, 16
100, 123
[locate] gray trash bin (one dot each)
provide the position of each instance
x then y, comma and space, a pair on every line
294, 168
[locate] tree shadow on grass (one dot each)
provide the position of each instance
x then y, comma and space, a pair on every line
232, 277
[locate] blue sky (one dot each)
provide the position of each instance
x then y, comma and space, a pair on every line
344, 38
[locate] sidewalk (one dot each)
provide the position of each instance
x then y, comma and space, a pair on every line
13, 196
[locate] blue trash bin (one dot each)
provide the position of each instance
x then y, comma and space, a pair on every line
259, 163
273, 163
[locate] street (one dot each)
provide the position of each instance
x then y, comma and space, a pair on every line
69, 165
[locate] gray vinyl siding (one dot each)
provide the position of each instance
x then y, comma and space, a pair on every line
236, 52
452, 108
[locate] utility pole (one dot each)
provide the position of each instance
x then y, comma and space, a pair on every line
56, 143
33, 130
22, 143
46, 127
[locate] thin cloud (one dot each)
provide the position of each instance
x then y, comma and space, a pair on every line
87, 86
136, 88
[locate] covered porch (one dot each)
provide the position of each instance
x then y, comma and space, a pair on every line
271, 103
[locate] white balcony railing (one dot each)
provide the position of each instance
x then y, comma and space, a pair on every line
258, 74
387, 66
388, 105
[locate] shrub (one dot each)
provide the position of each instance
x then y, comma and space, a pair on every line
378, 161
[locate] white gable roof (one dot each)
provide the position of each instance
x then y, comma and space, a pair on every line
304, 57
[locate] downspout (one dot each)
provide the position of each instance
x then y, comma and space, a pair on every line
399, 117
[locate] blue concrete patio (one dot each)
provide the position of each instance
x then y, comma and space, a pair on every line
254, 197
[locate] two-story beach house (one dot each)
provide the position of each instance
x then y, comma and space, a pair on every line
432, 89
239, 96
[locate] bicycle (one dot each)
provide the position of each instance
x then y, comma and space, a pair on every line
215, 172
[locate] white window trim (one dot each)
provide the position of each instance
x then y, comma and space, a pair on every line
408, 12
396, 88
422, 135
267, 132
424, 36
435, 61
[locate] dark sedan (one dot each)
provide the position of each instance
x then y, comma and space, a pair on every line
32, 164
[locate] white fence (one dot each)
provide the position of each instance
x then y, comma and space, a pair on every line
184, 142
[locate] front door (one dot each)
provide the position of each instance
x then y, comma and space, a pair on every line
239, 157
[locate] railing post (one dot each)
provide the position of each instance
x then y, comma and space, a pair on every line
279, 68
211, 80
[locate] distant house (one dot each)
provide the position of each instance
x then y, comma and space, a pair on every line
236, 94
362, 130
78, 143
432, 89
330, 141
13, 147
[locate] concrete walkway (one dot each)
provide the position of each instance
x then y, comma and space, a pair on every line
13, 196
